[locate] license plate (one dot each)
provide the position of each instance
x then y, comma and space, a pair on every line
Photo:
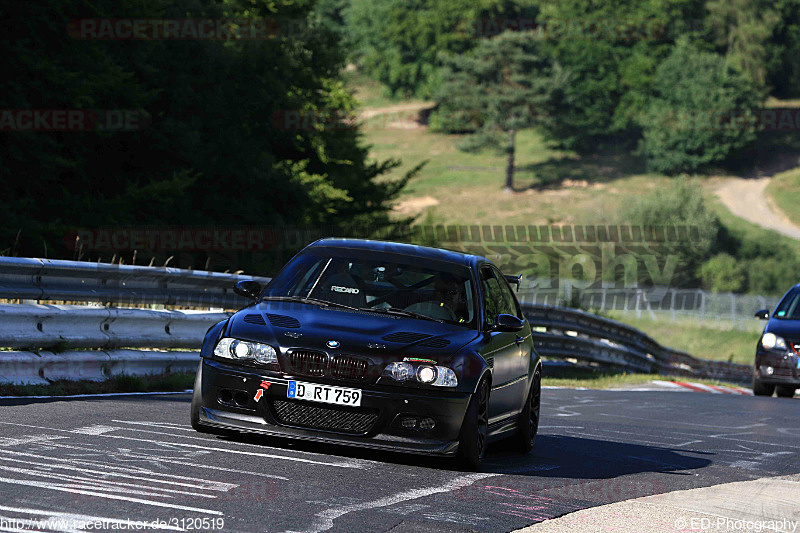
323, 393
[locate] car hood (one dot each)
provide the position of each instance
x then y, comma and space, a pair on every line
789, 329
295, 325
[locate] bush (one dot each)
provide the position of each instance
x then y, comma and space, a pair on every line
699, 114
771, 275
722, 273
680, 204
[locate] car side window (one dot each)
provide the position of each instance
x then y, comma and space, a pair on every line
512, 307
494, 302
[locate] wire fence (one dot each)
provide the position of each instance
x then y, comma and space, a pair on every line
723, 310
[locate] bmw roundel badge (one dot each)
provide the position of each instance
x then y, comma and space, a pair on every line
332, 344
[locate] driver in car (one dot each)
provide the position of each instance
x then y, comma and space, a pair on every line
447, 301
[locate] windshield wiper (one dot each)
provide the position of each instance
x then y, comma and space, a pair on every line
310, 301
402, 312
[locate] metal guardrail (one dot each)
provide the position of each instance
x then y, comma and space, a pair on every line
79, 281
568, 332
560, 332
43, 367
77, 326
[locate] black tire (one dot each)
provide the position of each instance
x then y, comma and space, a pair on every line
472, 440
762, 389
785, 391
528, 422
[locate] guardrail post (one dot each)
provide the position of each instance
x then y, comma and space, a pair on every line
672, 304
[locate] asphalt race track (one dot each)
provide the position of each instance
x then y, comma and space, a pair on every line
136, 458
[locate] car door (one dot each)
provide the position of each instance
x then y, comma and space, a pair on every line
501, 350
523, 336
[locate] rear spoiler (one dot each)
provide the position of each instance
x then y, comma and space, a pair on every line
513, 280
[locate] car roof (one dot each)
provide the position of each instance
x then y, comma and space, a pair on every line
425, 252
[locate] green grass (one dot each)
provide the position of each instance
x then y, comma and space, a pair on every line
553, 186
702, 340
368, 92
160, 383
784, 191
604, 379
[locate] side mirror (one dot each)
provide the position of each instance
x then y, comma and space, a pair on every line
505, 322
248, 288
513, 280
763, 314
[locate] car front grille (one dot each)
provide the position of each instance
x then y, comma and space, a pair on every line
345, 420
307, 363
344, 367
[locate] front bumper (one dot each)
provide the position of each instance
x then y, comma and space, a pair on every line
785, 367
223, 384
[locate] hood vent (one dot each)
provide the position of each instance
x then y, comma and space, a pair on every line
255, 319
434, 343
283, 321
405, 337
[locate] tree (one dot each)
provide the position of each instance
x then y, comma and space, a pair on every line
213, 151
499, 88
611, 51
700, 112
784, 51
400, 43
743, 29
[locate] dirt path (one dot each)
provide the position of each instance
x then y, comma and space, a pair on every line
410, 107
746, 199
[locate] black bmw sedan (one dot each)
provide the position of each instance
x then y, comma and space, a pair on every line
379, 345
777, 363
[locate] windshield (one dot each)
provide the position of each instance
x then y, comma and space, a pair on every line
789, 308
381, 282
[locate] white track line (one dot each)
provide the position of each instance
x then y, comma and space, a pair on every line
194, 446
163, 425
240, 452
206, 439
117, 471
325, 518
32, 439
99, 483
145, 457
104, 395
64, 488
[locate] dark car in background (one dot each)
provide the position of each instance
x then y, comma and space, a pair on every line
777, 363
379, 345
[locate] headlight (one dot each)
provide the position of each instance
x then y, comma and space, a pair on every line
771, 341
238, 349
438, 376
400, 371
